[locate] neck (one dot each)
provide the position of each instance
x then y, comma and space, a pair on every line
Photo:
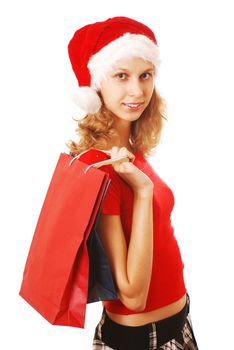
123, 129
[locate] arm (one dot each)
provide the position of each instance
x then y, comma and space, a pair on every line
131, 267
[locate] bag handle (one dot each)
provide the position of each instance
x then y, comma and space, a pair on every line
103, 162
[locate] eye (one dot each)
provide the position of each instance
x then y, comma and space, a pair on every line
146, 75
121, 76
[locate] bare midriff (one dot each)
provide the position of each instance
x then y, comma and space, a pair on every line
143, 318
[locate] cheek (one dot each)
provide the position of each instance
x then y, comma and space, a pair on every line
150, 90
105, 95
112, 94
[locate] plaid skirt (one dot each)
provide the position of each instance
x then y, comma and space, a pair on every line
172, 333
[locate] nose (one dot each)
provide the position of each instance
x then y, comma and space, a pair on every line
135, 88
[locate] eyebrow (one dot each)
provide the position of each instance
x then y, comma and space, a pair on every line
127, 70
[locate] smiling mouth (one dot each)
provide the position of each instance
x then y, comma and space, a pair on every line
133, 107
135, 104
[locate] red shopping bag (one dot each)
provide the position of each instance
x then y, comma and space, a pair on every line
55, 278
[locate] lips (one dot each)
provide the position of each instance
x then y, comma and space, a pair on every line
133, 106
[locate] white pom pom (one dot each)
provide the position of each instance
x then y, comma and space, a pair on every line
87, 99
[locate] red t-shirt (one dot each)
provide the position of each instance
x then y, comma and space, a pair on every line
167, 281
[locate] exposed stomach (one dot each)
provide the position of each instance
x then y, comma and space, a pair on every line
140, 319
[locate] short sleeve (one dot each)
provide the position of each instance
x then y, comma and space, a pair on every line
111, 202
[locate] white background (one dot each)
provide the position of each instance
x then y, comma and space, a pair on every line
195, 156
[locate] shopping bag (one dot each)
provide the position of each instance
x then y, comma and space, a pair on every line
57, 275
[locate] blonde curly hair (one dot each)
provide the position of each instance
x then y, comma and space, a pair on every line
96, 130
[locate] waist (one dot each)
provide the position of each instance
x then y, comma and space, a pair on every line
151, 316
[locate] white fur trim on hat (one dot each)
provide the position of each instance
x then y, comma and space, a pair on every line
87, 99
127, 46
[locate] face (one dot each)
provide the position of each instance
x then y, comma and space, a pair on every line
128, 88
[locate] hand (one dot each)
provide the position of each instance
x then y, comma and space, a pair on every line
140, 182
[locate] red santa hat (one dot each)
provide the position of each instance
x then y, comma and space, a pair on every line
95, 48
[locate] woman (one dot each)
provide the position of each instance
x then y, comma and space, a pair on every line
116, 62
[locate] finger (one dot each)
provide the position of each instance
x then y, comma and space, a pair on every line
114, 152
124, 151
125, 168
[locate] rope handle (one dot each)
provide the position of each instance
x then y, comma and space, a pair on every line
103, 162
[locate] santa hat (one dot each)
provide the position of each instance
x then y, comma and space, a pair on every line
95, 48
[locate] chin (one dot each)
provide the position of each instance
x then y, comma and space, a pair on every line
130, 118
